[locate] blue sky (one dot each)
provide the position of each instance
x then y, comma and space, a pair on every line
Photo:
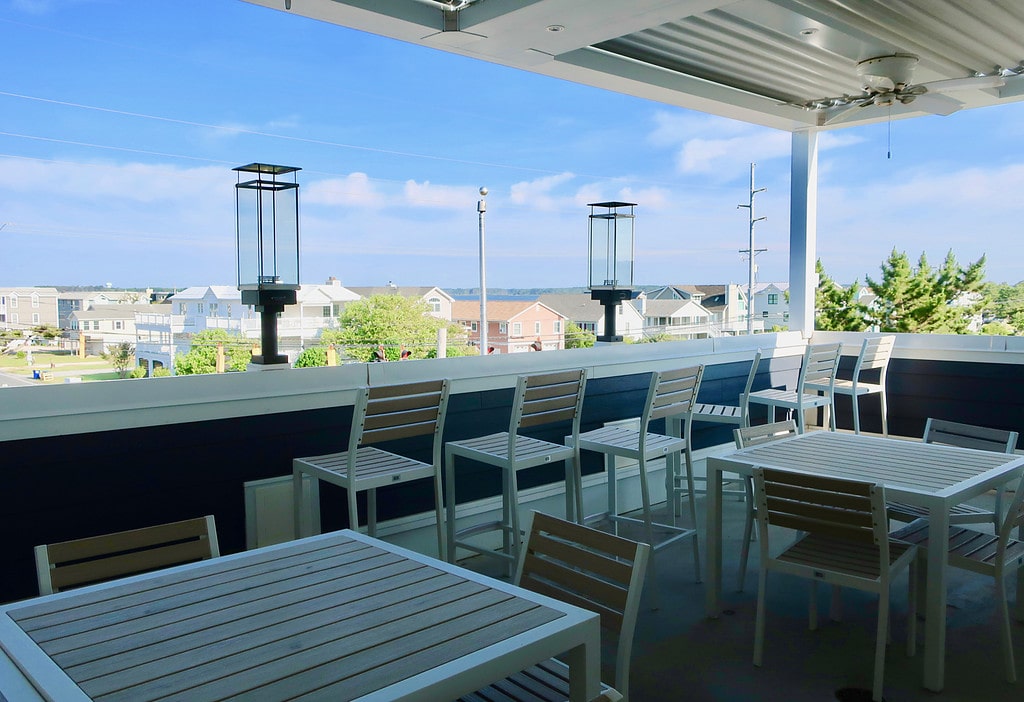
120, 122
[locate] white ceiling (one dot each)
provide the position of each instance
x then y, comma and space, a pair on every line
752, 60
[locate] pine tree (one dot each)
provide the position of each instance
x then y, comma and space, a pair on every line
836, 308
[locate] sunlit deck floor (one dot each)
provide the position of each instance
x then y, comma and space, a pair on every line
680, 655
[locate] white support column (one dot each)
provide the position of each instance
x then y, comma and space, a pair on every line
803, 231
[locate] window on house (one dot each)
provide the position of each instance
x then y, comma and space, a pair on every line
536, 327
3, 300
14, 300
199, 308
765, 314
474, 326
773, 298
503, 328
517, 328
785, 315
229, 311
182, 308
35, 318
118, 324
325, 311
435, 304
14, 318
557, 326
213, 309
35, 300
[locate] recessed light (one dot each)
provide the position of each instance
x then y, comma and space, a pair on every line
810, 31
556, 28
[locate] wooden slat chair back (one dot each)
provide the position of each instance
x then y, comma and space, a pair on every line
100, 558
669, 394
753, 436
539, 400
588, 568
947, 433
383, 414
844, 543
814, 388
995, 555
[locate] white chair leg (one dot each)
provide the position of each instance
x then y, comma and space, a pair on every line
880, 638
762, 586
885, 414
691, 495
353, 509
1004, 628
912, 609
812, 606
748, 532
449, 503
856, 413
517, 534
649, 531
439, 515
371, 512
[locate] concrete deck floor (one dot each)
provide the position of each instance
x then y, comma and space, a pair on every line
679, 654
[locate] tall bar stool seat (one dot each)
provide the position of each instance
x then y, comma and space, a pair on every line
539, 400
383, 413
817, 371
680, 426
670, 393
874, 355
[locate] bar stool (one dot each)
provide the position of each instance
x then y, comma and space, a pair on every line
539, 400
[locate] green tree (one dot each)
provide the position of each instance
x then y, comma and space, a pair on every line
390, 321
924, 300
1005, 303
836, 308
312, 357
122, 356
998, 329
578, 338
202, 357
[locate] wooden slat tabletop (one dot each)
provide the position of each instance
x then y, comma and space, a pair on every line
332, 617
908, 469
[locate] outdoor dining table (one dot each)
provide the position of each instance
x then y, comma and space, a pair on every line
929, 475
338, 616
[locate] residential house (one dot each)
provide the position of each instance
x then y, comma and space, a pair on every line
588, 314
726, 304
104, 326
683, 319
438, 300
76, 300
771, 304
513, 326
204, 307
25, 308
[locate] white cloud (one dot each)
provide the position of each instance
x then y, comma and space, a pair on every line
355, 189
440, 196
538, 193
726, 157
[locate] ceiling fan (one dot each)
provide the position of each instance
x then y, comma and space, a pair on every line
888, 80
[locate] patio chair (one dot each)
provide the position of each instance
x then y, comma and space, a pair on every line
717, 414
670, 393
100, 558
940, 431
539, 400
995, 555
382, 414
844, 543
817, 369
588, 568
753, 436
874, 355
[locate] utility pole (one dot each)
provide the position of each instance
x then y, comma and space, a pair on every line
751, 251
481, 208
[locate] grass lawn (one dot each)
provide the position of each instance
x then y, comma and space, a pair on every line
43, 359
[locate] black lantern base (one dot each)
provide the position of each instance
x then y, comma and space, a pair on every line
269, 303
610, 298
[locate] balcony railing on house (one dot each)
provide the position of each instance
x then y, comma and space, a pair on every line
84, 459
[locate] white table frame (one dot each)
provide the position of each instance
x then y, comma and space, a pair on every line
932, 476
570, 632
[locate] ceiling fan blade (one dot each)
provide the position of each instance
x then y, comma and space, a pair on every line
847, 110
935, 104
954, 84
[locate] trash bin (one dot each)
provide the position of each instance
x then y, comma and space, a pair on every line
35, 375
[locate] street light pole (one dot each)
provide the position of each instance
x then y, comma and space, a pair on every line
481, 208
751, 251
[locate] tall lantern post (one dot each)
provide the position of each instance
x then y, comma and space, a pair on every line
611, 260
267, 238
